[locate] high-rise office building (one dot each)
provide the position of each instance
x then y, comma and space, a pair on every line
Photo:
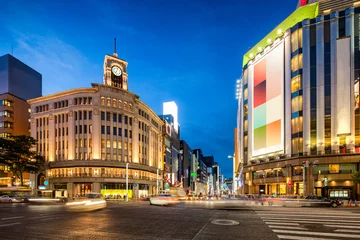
18, 83
299, 111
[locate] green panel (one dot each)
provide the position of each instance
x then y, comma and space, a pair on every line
260, 116
260, 138
305, 12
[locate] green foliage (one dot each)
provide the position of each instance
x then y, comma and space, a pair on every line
17, 153
356, 178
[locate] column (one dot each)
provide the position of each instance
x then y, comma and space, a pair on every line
96, 134
51, 138
287, 98
135, 140
350, 143
70, 189
289, 188
333, 36
320, 89
71, 136
96, 187
306, 86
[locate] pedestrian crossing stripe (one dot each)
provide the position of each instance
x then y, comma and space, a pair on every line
294, 225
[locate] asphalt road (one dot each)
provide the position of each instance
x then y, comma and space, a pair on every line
139, 220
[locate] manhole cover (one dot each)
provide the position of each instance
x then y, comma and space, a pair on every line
224, 222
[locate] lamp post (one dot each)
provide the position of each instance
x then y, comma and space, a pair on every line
157, 181
127, 182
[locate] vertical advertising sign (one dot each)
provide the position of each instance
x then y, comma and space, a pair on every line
268, 103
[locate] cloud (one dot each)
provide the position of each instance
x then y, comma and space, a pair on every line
61, 64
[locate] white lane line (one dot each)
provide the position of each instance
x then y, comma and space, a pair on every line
310, 221
343, 213
282, 223
307, 215
347, 231
306, 219
42, 219
10, 218
286, 227
9, 224
317, 233
301, 238
342, 226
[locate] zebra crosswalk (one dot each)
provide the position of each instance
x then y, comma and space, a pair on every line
311, 223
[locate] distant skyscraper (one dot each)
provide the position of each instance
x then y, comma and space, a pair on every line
172, 108
18, 83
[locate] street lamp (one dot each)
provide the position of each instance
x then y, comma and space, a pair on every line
157, 181
127, 182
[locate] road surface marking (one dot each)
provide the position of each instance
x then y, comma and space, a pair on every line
282, 223
301, 238
317, 233
305, 215
343, 226
285, 227
347, 231
305, 219
320, 221
9, 218
9, 224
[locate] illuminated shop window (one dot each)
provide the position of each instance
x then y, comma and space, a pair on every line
334, 168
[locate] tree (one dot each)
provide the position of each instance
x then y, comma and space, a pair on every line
356, 178
16, 152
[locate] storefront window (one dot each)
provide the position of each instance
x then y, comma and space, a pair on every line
334, 168
298, 171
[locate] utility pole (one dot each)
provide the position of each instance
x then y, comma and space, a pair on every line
157, 181
127, 182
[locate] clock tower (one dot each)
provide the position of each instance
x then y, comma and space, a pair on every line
115, 73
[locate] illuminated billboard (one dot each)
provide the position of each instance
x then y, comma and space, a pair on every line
267, 98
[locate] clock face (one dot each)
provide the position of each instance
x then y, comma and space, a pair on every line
116, 71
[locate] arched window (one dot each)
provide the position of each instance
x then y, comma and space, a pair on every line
102, 101
108, 102
120, 104
114, 103
130, 107
125, 105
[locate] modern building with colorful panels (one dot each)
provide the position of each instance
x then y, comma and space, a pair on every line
93, 139
298, 127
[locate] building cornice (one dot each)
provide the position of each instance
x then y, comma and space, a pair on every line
100, 163
62, 94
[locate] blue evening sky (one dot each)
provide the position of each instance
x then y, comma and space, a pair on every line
189, 52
